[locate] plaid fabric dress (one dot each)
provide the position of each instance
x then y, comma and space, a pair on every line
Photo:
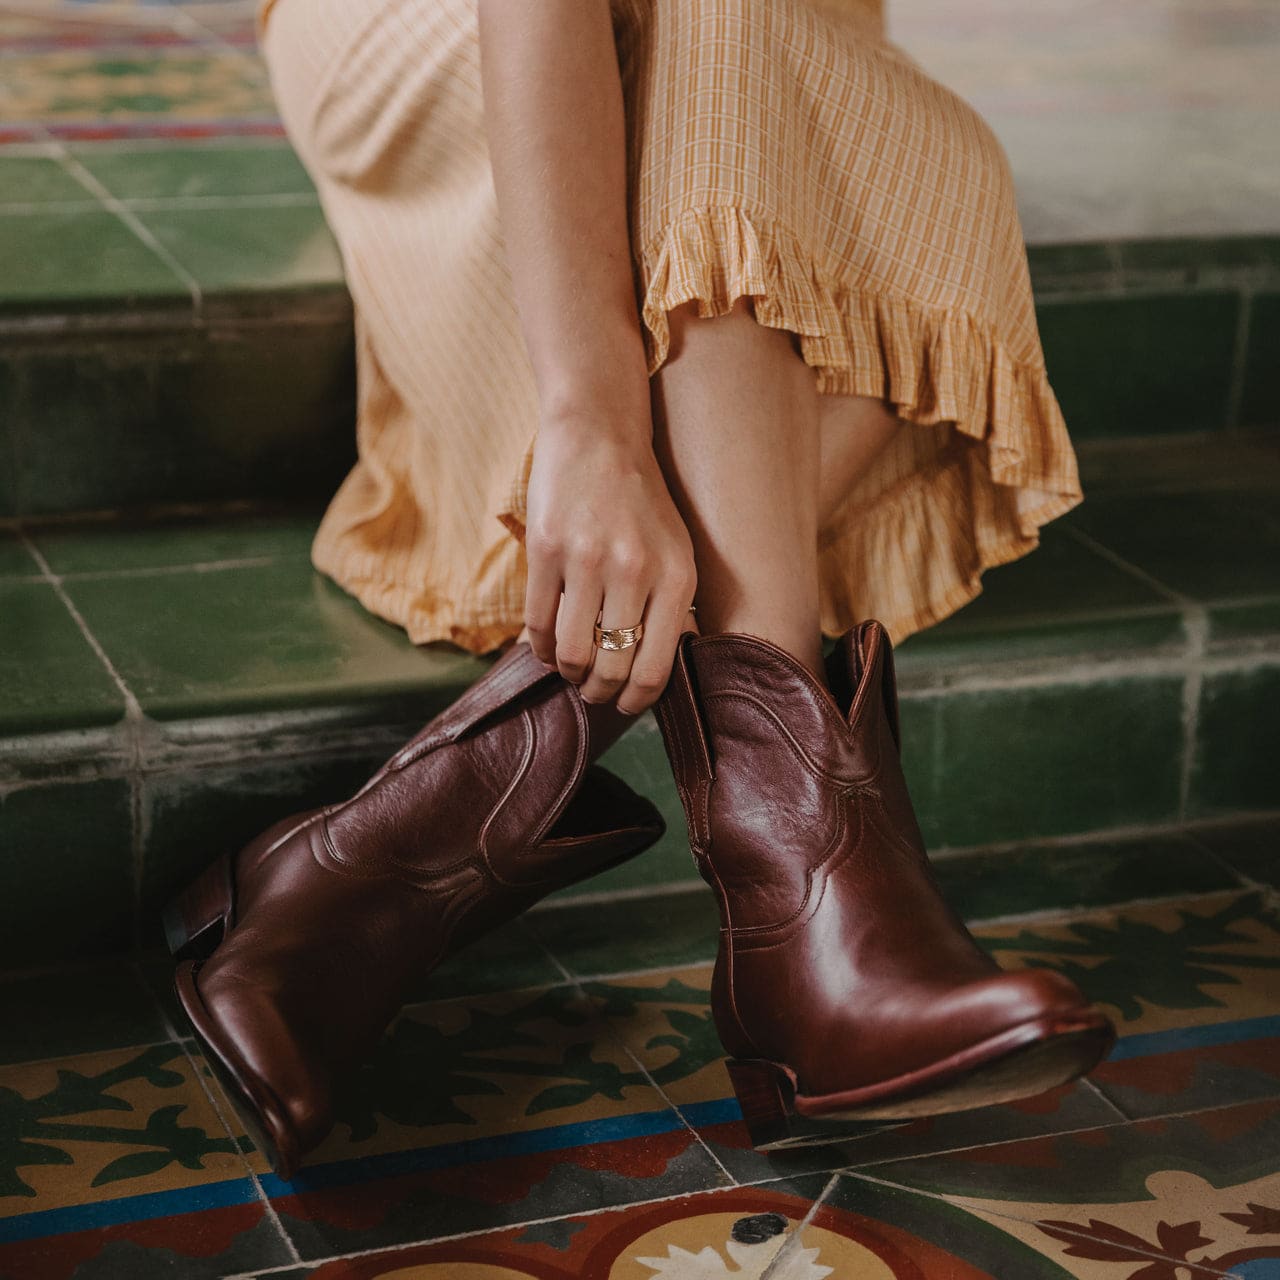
781, 149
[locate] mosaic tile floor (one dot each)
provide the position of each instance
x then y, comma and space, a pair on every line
577, 1123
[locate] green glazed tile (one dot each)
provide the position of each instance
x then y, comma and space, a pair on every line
1199, 259
508, 959
260, 638
1237, 742
1064, 267
121, 545
50, 678
1260, 403
1060, 600
15, 560
1246, 621
1252, 848
192, 818
38, 180
1209, 545
68, 877
1022, 763
64, 260
1141, 365
630, 933
1048, 877
212, 169
250, 249
265, 411
82, 1011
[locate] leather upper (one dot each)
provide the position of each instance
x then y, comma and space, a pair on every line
838, 957
337, 913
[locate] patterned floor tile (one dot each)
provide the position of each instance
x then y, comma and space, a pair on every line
631, 933
738, 1231
992, 1245
117, 1164
861, 1230
1194, 989
1198, 1190
487, 1110
448, 1192
665, 1020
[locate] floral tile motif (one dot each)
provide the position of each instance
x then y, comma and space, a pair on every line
124, 1123
744, 1232
117, 1162
426, 1195
1164, 966
484, 1067
486, 1110
131, 91
992, 1244
1194, 988
1198, 1191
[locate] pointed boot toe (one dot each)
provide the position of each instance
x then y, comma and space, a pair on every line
845, 988
322, 926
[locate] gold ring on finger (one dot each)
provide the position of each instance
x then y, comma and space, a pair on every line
618, 637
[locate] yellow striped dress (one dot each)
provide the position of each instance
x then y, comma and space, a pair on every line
781, 149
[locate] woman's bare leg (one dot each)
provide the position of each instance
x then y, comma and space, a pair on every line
756, 461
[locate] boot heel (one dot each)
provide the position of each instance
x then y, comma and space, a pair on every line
196, 919
765, 1093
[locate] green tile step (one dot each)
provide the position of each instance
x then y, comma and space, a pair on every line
190, 340
1099, 725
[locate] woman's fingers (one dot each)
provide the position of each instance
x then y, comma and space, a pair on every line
575, 626
623, 607
667, 616
541, 605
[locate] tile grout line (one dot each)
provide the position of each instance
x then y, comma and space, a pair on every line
164, 204
392, 1249
1239, 359
1197, 625
112, 204
792, 1245
211, 1093
133, 721
1245, 881
183, 23
975, 1206
617, 1040
1101, 549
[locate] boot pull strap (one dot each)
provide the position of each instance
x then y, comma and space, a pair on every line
889, 683
690, 754
873, 644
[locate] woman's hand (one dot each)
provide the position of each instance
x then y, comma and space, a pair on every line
602, 528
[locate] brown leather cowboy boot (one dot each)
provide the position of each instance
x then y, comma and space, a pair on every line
844, 988
301, 949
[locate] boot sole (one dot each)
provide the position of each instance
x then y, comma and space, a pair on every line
257, 1108
1020, 1063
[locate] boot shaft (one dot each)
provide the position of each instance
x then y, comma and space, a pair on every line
773, 769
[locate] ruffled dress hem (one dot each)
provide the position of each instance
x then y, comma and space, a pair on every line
900, 557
